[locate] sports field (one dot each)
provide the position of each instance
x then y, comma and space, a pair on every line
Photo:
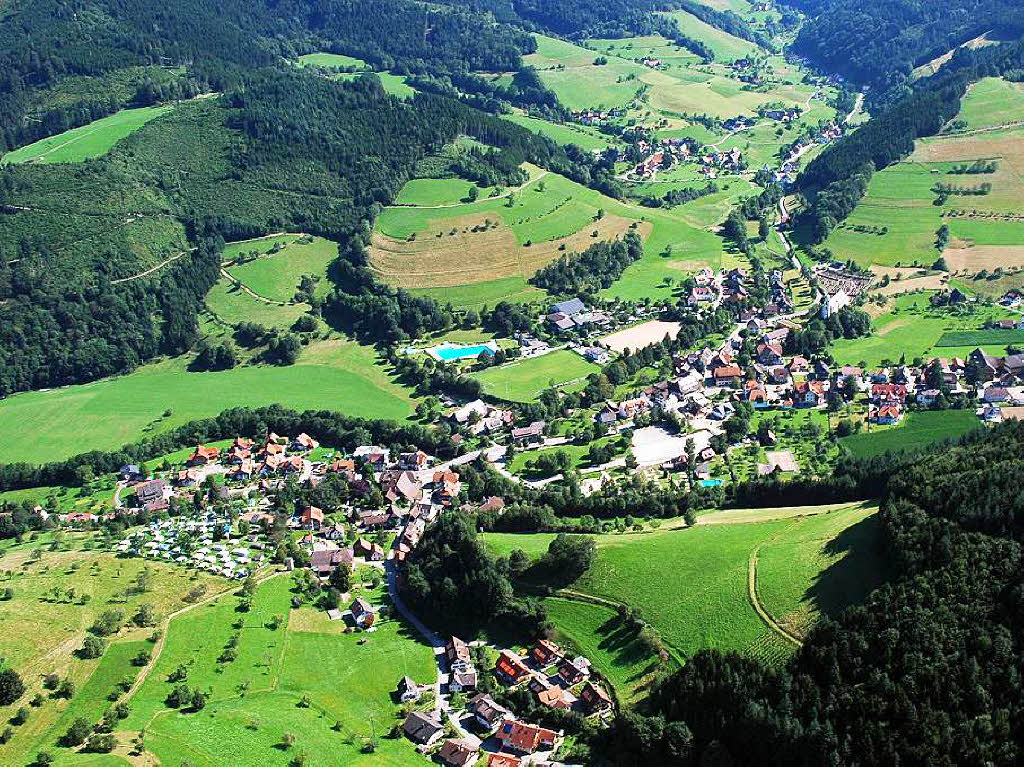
692, 584
917, 430
338, 375
281, 263
524, 380
92, 140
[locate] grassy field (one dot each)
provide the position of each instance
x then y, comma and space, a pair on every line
41, 629
281, 264
484, 251
599, 633
339, 375
918, 429
911, 327
330, 60
257, 698
992, 101
87, 141
393, 84
986, 231
691, 584
437, 191
569, 133
488, 293
523, 381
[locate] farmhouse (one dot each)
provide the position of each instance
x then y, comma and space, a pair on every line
362, 613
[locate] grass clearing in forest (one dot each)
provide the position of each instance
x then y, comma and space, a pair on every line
281, 263
87, 141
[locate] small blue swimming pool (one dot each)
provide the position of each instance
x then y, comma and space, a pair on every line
710, 482
461, 352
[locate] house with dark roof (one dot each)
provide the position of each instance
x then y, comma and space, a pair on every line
423, 728
594, 698
458, 753
487, 713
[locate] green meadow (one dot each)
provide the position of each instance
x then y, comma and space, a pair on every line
912, 328
338, 375
57, 597
992, 101
283, 260
524, 380
87, 141
691, 584
435, 192
917, 430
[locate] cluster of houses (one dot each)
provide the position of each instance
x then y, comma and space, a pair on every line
597, 116
670, 151
731, 286
554, 679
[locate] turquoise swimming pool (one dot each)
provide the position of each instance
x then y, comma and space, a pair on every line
461, 352
710, 482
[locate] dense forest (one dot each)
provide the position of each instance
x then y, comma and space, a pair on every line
926, 672
592, 270
879, 43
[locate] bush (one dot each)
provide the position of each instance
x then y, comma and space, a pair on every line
65, 689
109, 622
100, 743
77, 733
11, 686
142, 658
92, 647
20, 717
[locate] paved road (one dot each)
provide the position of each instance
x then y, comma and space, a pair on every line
437, 643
